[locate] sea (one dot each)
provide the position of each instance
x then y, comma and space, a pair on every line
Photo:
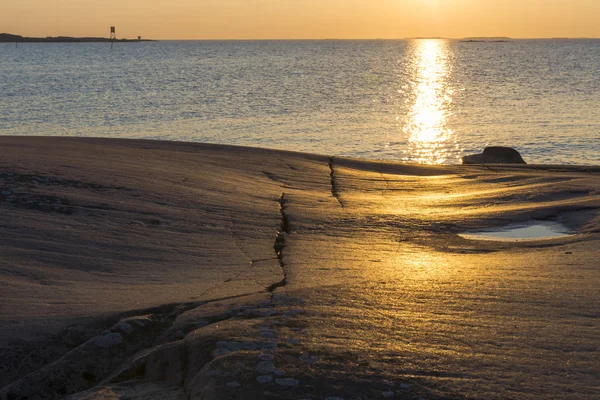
421, 100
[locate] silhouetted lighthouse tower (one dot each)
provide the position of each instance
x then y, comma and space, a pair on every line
113, 36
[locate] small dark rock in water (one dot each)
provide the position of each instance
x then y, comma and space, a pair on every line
495, 155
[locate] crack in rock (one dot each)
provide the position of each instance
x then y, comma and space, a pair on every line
334, 190
279, 244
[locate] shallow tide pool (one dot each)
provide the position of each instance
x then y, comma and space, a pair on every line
521, 232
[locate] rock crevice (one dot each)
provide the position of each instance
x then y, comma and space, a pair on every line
279, 244
334, 189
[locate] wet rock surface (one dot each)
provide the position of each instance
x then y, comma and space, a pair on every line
218, 272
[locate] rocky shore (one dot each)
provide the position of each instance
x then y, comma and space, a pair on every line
164, 270
10, 38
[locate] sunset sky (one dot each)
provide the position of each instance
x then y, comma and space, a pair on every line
297, 19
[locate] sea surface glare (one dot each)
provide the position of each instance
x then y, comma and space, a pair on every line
427, 101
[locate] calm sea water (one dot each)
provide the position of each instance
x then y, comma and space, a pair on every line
428, 101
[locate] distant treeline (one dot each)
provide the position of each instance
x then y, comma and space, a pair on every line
9, 38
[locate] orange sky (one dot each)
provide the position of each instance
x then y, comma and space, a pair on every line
295, 19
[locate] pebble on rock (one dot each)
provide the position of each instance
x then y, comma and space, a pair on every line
248, 346
234, 384
125, 327
308, 358
292, 313
109, 340
264, 379
265, 367
268, 345
287, 382
141, 321
234, 346
266, 357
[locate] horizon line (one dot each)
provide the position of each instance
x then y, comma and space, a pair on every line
340, 39
402, 38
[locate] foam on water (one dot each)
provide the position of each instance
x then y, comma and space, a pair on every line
521, 232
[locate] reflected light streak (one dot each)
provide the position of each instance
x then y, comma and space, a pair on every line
430, 140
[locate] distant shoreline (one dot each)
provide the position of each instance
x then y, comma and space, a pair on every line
9, 38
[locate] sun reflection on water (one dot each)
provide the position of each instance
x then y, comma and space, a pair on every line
430, 140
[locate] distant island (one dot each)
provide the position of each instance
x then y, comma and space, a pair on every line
9, 38
485, 39
426, 38
466, 39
